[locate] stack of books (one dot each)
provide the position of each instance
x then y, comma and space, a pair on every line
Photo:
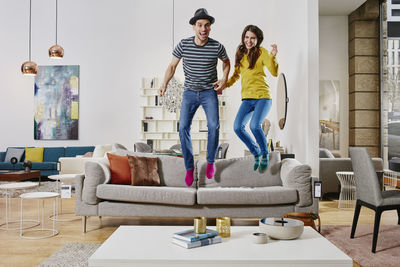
190, 239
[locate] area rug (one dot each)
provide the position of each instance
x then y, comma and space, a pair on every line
359, 248
44, 187
72, 255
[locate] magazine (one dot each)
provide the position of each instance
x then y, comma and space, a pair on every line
199, 243
191, 236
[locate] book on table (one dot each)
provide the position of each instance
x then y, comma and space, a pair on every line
191, 236
198, 243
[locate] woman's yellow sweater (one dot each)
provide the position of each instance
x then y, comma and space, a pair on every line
254, 85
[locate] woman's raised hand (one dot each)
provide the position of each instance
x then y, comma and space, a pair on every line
274, 49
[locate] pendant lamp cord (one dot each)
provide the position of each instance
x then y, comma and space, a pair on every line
56, 18
30, 27
173, 24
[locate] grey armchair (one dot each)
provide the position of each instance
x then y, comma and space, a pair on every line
142, 147
369, 193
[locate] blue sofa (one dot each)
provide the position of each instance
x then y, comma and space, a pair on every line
50, 159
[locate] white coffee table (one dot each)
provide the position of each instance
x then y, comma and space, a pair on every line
9, 220
152, 246
39, 196
63, 178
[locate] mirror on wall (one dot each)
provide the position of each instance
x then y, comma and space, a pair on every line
282, 100
329, 126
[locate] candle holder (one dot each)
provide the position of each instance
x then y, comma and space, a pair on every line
200, 224
224, 226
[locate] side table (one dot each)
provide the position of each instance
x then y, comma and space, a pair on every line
347, 195
61, 178
16, 186
39, 196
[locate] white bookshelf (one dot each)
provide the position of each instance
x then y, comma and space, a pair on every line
161, 126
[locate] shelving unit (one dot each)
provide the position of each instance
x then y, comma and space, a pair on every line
162, 127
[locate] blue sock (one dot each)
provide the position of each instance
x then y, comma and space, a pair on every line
256, 161
264, 162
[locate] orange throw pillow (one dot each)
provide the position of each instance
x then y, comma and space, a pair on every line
144, 171
120, 169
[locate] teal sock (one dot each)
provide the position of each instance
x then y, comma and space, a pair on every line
256, 162
264, 162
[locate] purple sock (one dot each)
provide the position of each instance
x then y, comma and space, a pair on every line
210, 170
189, 177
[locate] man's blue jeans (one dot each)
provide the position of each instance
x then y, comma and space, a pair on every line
191, 101
257, 110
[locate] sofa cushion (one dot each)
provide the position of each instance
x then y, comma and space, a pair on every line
238, 172
147, 194
53, 153
14, 152
9, 166
171, 169
298, 176
120, 169
95, 174
73, 151
144, 171
44, 165
325, 153
271, 195
101, 150
34, 154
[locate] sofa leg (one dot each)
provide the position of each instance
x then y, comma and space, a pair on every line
84, 224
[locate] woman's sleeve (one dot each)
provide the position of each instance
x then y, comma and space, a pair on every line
270, 62
233, 78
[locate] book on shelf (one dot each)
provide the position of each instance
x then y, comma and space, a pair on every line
199, 243
191, 236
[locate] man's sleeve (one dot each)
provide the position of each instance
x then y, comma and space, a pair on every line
178, 51
221, 52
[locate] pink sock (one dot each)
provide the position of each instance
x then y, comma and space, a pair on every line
189, 177
210, 170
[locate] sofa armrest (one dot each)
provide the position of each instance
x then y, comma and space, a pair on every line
95, 173
77, 164
298, 176
79, 186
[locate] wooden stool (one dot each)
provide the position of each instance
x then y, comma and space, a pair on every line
307, 217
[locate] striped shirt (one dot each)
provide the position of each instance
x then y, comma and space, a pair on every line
199, 62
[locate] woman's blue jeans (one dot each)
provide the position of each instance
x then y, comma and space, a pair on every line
191, 101
256, 110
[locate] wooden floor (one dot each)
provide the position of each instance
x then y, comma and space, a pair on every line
15, 251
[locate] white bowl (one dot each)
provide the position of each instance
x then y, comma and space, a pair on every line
281, 228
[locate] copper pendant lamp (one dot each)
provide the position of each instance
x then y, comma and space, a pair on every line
56, 51
29, 67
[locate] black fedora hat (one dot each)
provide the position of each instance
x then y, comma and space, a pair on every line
201, 13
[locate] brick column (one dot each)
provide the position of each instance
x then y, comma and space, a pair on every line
364, 69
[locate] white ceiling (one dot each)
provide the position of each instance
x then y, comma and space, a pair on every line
338, 7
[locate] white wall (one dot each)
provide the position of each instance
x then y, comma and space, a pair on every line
118, 42
333, 65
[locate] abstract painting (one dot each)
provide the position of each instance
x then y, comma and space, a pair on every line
56, 106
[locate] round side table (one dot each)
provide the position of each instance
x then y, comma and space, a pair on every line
347, 195
39, 196
16, 186
63, 178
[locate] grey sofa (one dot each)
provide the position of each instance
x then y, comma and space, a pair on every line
236, 190
328, 166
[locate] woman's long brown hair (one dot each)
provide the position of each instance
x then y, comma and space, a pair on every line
254, 52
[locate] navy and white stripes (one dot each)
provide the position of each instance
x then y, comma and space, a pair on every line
199, 62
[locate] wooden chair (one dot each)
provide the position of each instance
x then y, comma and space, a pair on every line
369, 192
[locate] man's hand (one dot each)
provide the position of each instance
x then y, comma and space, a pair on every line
274, 49
162, 90
220, 84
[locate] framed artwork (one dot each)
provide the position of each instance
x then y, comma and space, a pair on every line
56, 104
